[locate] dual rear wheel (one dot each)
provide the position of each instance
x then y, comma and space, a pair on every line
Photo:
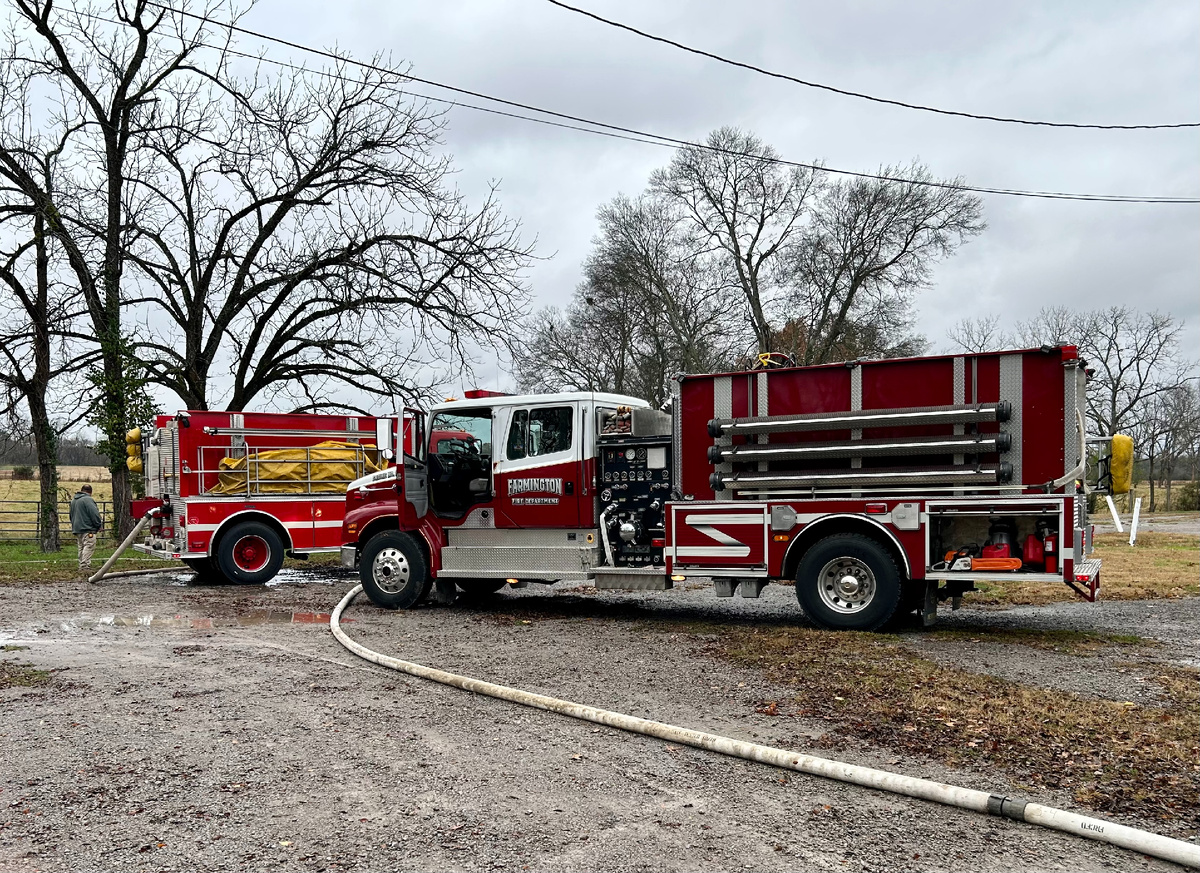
848, 582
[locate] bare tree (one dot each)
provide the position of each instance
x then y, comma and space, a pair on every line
983, 334
746, 208
304, 237
33, 334
645, 311
1052, 326
1135, 357
870, 247
100, 79
295, 233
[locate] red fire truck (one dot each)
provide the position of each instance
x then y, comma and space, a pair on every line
876, 486
236, 491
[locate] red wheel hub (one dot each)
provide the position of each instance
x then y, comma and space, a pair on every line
251, 553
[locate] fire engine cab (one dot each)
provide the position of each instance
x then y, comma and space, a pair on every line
875, 486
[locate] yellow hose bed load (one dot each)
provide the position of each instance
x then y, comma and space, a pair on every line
1121, 465
327, 467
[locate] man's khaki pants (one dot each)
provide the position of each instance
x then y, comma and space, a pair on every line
87, 546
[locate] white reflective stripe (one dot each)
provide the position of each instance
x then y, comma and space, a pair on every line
712, 551
730, 547
694, 520
209, 528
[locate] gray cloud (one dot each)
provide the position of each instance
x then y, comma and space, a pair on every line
1081, 61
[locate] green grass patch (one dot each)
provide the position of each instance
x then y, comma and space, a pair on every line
16, 675
1112, 756
22, 562
12, 648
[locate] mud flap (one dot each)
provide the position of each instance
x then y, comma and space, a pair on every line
445, 592
929, 611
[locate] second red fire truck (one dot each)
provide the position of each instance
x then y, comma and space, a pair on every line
875, 487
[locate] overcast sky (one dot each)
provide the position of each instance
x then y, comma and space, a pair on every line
1087, 61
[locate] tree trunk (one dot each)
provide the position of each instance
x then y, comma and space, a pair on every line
46, 443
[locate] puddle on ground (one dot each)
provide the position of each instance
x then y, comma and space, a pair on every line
253, 618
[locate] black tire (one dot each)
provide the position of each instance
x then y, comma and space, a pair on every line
393, 570
250, 553
848, 582
479, 587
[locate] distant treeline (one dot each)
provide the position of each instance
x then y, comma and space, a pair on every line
72, 451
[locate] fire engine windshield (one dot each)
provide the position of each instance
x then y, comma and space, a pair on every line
460, 460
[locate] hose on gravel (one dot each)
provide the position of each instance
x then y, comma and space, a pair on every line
867, 777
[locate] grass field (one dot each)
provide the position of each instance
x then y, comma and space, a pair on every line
1160, 565
18, 512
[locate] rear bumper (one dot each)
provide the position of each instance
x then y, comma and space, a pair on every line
349, 557
1087, 579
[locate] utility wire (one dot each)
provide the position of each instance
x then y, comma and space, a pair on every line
857, 94
619, 132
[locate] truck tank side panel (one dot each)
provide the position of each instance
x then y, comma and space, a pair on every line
696, 402
886, 385
1042, 412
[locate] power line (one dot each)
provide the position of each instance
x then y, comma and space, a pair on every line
619, 132
857, 94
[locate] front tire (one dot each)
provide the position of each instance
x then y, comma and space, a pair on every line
250, 553
848, 582
393, 570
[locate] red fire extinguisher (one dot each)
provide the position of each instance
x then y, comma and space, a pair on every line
1050, 551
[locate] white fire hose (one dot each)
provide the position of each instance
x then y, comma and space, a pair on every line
137, 529
924, 789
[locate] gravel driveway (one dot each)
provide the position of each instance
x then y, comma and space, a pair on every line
199, 728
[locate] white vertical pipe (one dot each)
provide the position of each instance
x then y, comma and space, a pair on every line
1137, 511
1112, 510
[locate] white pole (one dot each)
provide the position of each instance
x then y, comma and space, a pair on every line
1112, 509
1137, 510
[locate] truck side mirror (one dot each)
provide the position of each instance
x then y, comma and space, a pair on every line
383, 438
477, 486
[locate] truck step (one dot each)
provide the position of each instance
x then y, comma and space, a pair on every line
632, 578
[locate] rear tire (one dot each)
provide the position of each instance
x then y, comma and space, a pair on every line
250, 553
848, 582
393, 570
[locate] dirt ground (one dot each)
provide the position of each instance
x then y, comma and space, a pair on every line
218, 728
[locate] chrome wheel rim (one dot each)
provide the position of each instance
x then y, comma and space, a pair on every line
251, 553
846, 585
391, 571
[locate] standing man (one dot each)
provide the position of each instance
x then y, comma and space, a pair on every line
85, 524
